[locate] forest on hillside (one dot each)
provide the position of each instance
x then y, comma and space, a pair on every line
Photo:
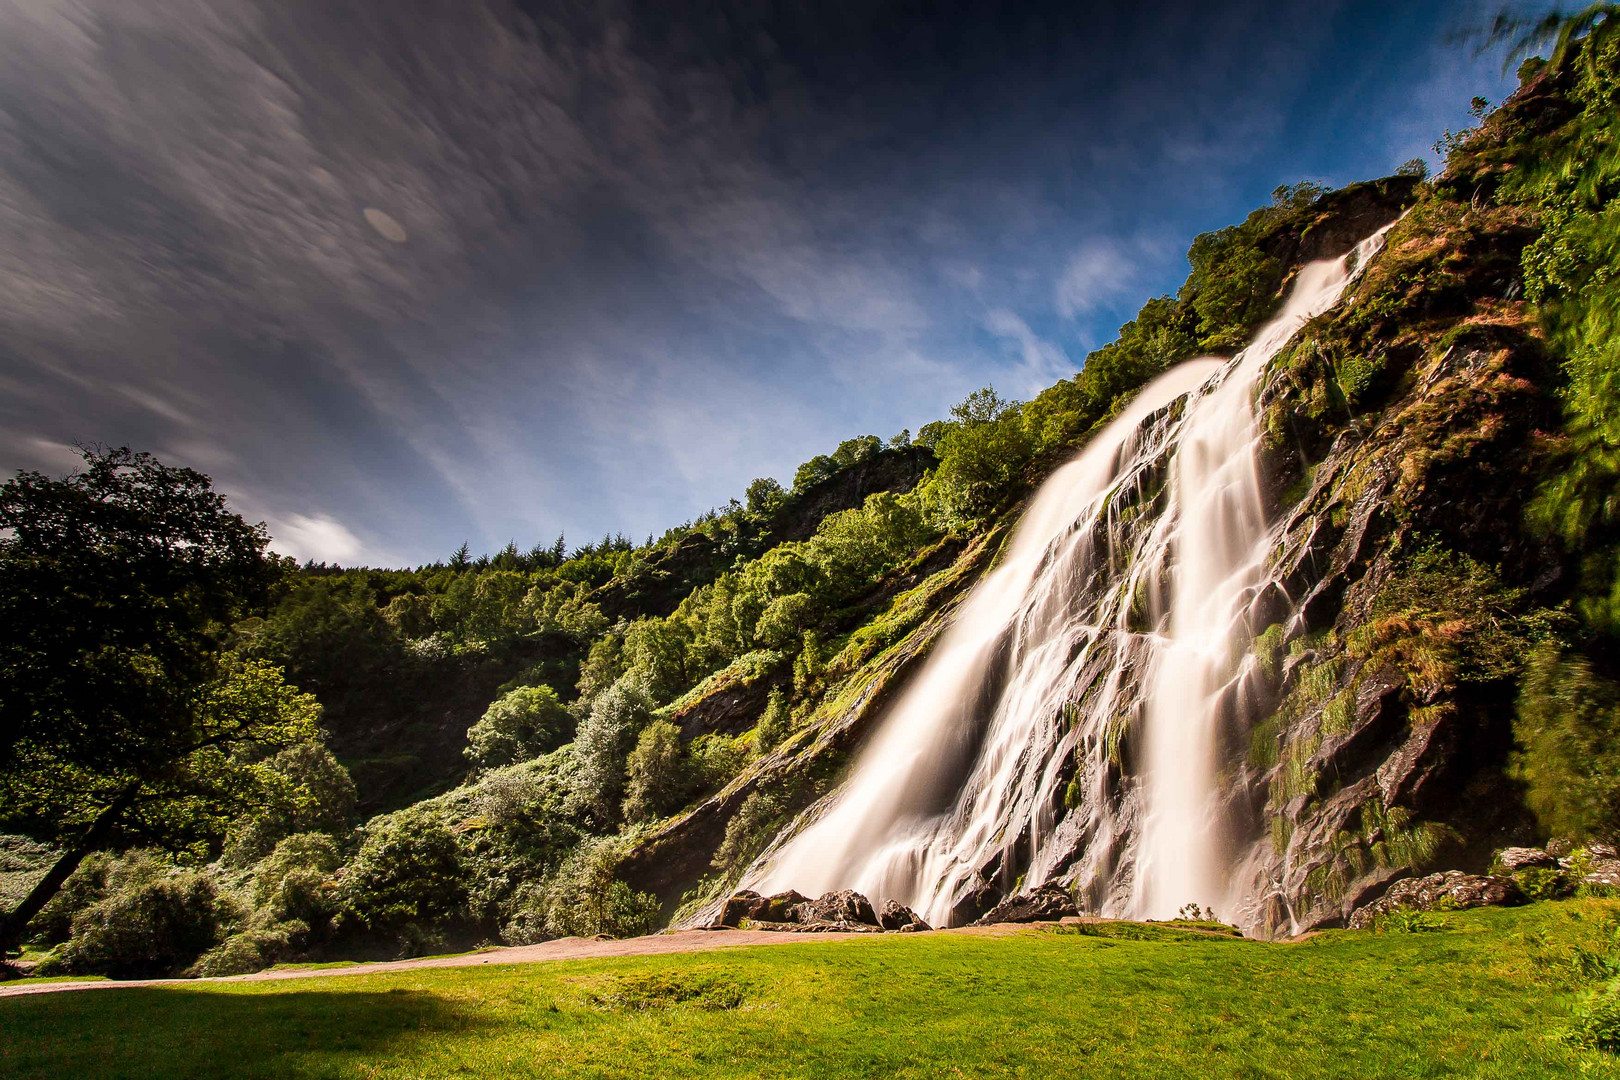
244, 761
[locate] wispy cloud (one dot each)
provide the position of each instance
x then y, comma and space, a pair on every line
321, 538
1041, 362
1102, 272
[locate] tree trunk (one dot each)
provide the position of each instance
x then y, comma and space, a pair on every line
16, 920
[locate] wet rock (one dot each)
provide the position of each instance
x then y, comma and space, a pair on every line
1451, 890
1049, 903
894, 915
784, 907
978, 901
843, 906
739, 906
1560, 846
1511, 860
1602, 852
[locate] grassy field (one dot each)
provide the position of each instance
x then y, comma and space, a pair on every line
1487, 996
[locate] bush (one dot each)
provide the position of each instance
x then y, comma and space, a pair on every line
775, 724
1596, 1023
785, 619
1543, 883
1404, 920
305, 789
748, 831
604, 742
407, 874
1568, 730
84, 887
659, 773
295, 881
582, 898
249, 951
519, 726
717, 759
149, 927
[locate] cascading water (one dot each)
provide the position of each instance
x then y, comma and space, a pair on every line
1069, 724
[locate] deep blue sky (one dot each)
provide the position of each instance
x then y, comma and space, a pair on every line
399, 275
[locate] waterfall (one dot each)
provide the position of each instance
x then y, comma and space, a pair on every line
1071, 723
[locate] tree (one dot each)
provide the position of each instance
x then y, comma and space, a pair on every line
659, 773
518, 726
118, 584
181, 788
605, 739
303, 789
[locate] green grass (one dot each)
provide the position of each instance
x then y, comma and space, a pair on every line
1486, 995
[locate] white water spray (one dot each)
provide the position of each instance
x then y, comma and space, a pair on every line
1069, 724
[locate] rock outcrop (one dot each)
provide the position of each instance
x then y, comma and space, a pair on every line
1511, 860
1450, 890
844, 911
1048, 903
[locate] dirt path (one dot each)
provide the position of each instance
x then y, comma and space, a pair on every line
680, 941
562, 949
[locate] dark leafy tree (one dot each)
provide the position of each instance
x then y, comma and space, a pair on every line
118, 584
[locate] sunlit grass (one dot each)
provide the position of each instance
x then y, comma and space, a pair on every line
1486, 996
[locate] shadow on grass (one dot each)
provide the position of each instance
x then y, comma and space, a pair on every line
140, 1032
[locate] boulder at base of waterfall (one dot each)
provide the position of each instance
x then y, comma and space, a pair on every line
1511, 860
974, 904
896, 916
814, 927
1049, 903
843, 906
1451, 890
783, 907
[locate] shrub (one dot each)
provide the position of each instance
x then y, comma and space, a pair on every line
305, 789
519, 726
775, 724
295, 881
149, 926
84, 887
748, 831
1543, 883
604, 742
717, 759
1568, 730
785, 619
582, 898
249, 951
1404, 920
659, 773
809, 664
1596, 1023
407, 874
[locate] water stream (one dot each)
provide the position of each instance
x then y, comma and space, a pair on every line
1070, 723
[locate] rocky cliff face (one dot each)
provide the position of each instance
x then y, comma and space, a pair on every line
1405, 435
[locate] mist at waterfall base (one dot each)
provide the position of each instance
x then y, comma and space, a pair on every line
1075, 721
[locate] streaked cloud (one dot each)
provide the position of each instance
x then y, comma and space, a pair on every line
400, 275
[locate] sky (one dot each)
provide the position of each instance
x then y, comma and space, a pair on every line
402, 275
